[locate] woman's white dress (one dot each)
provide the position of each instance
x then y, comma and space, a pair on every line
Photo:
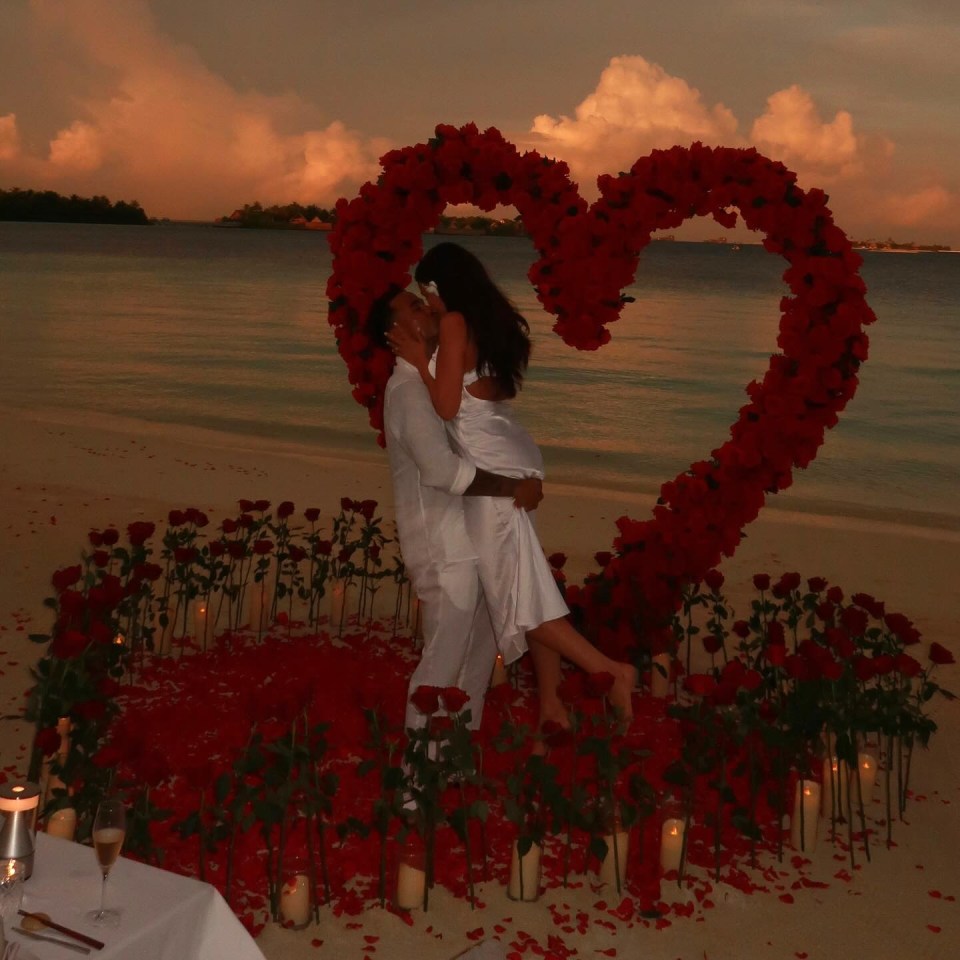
520, 590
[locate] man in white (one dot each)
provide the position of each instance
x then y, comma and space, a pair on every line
429, 480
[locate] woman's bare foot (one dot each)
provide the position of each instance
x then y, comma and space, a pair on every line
621, 694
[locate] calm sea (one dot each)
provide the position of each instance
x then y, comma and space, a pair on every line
226, 329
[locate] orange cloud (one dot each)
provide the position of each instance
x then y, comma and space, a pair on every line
166, 130
636, 107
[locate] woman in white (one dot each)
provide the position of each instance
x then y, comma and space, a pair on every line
483, 352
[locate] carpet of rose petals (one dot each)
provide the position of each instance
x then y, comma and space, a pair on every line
186, 718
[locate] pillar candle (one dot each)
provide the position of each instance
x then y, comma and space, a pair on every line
806, 801
527, 868
295, 901
201, 621
660, 669
671, 844
63, 823
867, 771
411, 885
499, 675
609, 865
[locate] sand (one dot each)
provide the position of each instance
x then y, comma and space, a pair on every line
63, 474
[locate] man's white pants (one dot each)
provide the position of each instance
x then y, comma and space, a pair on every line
458, 643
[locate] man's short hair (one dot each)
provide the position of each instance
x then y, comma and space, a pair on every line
380, 317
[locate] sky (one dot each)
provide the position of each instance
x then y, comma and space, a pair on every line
196, 107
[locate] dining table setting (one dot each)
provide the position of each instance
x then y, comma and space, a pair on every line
71, 905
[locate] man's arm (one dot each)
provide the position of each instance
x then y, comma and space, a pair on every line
526, 492
421, 431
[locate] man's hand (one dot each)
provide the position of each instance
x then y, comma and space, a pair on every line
528, 494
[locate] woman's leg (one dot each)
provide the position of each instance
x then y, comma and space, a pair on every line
560, 637
546, 667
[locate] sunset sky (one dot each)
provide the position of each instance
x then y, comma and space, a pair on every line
195, 107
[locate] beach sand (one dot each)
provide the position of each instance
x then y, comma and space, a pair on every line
61, 476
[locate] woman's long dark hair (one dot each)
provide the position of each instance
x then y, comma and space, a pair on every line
501, 335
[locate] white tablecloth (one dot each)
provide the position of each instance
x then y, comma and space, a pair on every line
163, 916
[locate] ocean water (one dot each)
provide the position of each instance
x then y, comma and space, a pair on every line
226, 329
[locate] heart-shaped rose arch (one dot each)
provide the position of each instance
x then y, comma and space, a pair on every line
588, 254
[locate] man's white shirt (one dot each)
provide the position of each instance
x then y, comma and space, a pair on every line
429, 477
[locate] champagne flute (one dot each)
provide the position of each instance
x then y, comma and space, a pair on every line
109, 829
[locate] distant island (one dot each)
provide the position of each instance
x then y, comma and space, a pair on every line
49, 207
894, 246
290, 216
295, 216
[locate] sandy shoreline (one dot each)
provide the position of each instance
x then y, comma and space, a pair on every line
59, 479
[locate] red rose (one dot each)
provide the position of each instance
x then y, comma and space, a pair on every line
245, 505
598, 684
217, 548
176, 518
184, 555
882, 664
712, 643
374, 552
775, 632
262, 547
346, 504
454, 699
284, 509
139, 532
229, 526
863, 668
297, 553
830, 668
902, 628
47, 741
816, 584
148, 571
345, 554
570, 689
700, 684
825, 611
906, 666
261, 506
69, 644
368, 508
96, 538
797, 667
245, 520
761, 581
426, 699
110, 537
776, 654
835, 595
108, 756
603, 558
868, 603
557, 560
556, 736
66, 577
751, 680
855, 620
940, 654
713, 579
741, 628
236, 550
197, 517
323, 548
312, 514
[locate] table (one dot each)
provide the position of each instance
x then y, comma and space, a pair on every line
163, 916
